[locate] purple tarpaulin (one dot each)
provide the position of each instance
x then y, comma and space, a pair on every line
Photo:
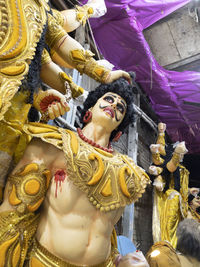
120, 39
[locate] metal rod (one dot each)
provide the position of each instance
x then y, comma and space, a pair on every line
59, 4
93, 39
191, 103
65, 123
145, 117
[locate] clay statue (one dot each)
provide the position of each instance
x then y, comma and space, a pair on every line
33, 51
69, 189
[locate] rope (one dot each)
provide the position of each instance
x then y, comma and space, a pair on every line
92, 35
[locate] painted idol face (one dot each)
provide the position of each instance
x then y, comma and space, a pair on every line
196, 200
109, 111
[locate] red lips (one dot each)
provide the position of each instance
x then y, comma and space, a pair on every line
110, 111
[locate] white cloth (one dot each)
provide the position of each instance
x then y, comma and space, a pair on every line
98, 6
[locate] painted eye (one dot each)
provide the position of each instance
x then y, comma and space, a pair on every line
120, 108
109, 99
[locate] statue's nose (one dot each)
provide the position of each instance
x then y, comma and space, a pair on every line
114, 105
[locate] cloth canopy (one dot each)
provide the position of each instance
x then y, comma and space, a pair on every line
119, 37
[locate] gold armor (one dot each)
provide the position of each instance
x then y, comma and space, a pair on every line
27, 189
12, 140
110, 181
46, 58
176, 158
161, 141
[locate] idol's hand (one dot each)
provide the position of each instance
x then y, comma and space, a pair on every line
57, 109
159, 183
181, 148
51, 104
153, 170
116, 74
135, 259
154, 148
161, 127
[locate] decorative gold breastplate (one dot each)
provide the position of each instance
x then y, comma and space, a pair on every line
110, 181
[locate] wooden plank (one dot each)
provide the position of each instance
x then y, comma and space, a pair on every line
128, 216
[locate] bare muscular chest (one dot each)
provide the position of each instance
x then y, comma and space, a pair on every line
65, 197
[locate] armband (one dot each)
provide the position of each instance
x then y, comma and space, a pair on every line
54, 31
45, 58
85, 63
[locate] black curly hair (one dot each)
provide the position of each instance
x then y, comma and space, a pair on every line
120, 87
32, 82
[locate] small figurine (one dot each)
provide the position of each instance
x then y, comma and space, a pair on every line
171, 187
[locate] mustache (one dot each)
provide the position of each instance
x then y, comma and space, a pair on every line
102, 107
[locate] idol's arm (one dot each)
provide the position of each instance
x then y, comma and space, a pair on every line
71, 19
82, 60
177, 157
156, 158
74, 54
50, 73
56, 78
161, 138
